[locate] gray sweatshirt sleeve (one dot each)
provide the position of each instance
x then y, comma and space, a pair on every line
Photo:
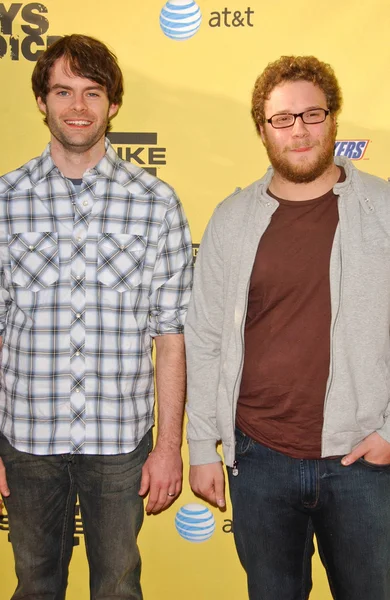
203, 332
384, 431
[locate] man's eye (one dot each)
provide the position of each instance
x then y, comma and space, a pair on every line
93, 95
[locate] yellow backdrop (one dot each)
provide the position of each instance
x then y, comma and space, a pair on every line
192, 98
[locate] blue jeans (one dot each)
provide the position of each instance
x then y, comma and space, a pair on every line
41, 511
280, 502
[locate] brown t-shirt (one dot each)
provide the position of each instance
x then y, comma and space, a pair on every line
287, 330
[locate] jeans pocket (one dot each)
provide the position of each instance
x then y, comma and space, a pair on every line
374, 466
244, 443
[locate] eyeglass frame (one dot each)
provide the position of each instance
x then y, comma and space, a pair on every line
296, 115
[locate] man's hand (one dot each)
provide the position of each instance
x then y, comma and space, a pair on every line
162, 476
208, 481
373, 448
4, 489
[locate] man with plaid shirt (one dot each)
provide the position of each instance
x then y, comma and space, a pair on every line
95, 264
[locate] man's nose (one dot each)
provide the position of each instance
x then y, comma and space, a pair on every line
299, 127
78, 102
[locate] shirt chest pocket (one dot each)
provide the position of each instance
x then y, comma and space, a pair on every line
120, 260
34, 259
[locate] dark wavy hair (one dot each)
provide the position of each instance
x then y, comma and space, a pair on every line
85, 57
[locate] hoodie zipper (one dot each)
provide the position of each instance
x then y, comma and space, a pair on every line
239, 372
333, 331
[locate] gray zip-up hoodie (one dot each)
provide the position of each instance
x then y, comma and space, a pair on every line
358, 387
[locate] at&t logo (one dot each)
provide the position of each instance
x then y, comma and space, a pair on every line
195, 522
180, 19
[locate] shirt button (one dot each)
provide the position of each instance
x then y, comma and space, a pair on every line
77, 353
85, 203
31, 248
78, 277
123, 247
77, 390
79, 238
78, 315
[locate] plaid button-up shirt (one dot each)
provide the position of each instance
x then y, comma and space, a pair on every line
86, 281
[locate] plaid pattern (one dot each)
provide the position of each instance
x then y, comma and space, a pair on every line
86, 281
34, 259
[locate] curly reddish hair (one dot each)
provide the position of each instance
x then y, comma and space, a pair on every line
295, 68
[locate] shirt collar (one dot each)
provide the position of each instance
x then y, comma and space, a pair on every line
43, 166
107, 166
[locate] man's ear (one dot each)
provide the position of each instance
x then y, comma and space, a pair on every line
41, 105
335, 124
260, 131
113, 110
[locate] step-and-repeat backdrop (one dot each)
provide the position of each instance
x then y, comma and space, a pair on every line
186, 117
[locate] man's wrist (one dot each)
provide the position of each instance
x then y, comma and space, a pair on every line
168, 445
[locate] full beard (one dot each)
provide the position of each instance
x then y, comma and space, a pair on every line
307, 171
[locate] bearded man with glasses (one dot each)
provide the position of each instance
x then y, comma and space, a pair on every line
288, 352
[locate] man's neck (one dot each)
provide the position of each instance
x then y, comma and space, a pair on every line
281, 188
74, 164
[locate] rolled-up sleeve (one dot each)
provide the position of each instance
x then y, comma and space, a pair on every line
172, 275
4, 293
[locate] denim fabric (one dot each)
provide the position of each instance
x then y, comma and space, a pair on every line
280, 502
41, 511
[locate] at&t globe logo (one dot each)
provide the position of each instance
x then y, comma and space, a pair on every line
195, 522
180, 19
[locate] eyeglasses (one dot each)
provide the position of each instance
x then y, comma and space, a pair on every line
309, 117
